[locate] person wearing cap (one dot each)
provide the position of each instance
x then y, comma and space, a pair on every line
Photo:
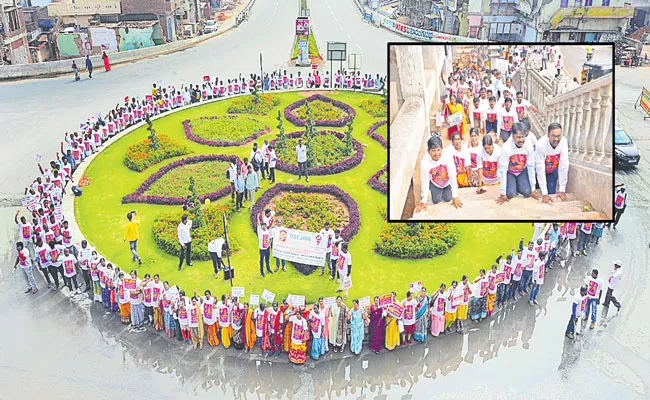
438, 176
620, 202
612, 283
594, 291
577, 310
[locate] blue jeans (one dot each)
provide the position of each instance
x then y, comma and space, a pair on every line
583, 240
133, 245
592, 304
490, 126
551, 254
551, 182
277, 263
302, 169
571, 327
264, 259
534, 291
518, 184
501, 293
525, 280
512, 289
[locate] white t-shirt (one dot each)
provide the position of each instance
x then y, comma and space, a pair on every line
25, 230
408, 318
184, 232
549, 159
209, 311
224, 314
438, 307
492, 279
259, 316
515, 160
316, 323
507, 119
538, 271
489, 163
216, 246
343, 263
477, 114
441, 174
193, 312
329, 235
336, 247
68, 263
264, 237
41, 255
450, 307
462, 158
614, 278
620, 199
23, 258
147, 294
521, 108
302, 153
473, 155
51, 253
157, 290
594, 286
298, 329
492, 115
134, 297
84, 256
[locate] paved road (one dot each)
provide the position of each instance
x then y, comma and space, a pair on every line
38, 112
575, 56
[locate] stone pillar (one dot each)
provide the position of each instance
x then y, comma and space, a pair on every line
584, 126
604, 138
410, 69
574, 146
569, 129
594, 126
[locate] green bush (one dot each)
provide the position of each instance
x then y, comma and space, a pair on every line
247, 104
320, 111
210, 176
227, 128
310, 211
374, 107
140, 155
416, 240
328, 150
166, 235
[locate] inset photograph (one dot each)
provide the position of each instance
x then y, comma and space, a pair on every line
497, 132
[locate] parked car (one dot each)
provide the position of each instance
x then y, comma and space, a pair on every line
625, 151
210, 26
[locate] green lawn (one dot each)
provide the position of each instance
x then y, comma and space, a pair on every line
314, 53
101, 217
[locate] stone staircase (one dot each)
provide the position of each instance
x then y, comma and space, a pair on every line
484, 207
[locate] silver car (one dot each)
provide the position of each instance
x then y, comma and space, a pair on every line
625, 151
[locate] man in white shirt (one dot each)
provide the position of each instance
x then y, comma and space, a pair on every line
185, 240
515, 157
507, 119
612, 284
437, 176
232, 176
328, 235
522, 105
477, 115
620, 202
264, 238
594, 291
215, 248
301, 151
265, 159
577, 310
256, 161
26, 266
552, 163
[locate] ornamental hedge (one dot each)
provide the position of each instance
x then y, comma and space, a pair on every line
416, 240
209, 176
378, 133
141, 156
285, 165
374, 107
139, 195
378, 181
227, 130
291, 116
250, 105
347, 232
165, 231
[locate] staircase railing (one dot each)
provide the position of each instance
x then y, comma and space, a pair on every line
536, 88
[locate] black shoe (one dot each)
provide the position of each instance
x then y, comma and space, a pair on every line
262, 273
190, 265
179, 268
139, 261
269, 271
28, 290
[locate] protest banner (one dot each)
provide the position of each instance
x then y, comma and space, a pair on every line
396, 310
268, 296
329, 301
254, 299
299, 246
415, 286
129, 284
237, 291
385, 300
364, 301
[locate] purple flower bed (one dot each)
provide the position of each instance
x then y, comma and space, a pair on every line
371, 132
337, 168
347, 233
187, 127
139, 197
294, 119
376, 184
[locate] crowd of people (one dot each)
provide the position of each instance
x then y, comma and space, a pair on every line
487, 121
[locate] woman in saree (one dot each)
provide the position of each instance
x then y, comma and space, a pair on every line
170, 324
248, 328
451, 108
392, 330
299, 338
210, 318
325, 311
450, 307
356, 317
462, 159
376, 327
438, 300
195, 313
237, 324
288, 312
421, 316
339, 325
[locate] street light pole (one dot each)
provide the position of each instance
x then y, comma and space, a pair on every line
261, 73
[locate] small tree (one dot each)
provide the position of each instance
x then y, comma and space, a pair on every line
347, 141
282, 138
152, 133
195, 205
256, 95
310, 121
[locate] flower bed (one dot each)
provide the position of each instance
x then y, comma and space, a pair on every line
294, 113
326, 150
416, 240
143, 194
295, 212
247, 104
141, 156
379, 181
374, 107
165, 231
379, 132
227, 130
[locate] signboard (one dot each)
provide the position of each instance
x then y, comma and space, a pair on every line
385, 300
329, 301
501, 65
302, 26
644, 101
303, 52
420, 34
452, 5
298, 301
347, 282
415, 286
455, 119
267, 295
299, 246
237, 292
336, 51
396, 310
254, 299
364, 301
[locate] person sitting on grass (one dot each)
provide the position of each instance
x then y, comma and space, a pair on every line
438, 176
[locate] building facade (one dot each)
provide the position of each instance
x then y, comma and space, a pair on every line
164, 10
14, 42
503, 20
83, 13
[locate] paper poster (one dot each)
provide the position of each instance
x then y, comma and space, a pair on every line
347, 282
238, 292
364, 301
415, 286
299, 246
268, 296
254, 299
385, 300
455, 119
329, 301
396, 310
298, 301
129, 284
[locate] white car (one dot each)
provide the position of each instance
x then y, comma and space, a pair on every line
210, 26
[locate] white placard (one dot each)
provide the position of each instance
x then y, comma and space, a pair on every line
267, 295
347, 282
254, 299
415, 286
298, 301
364, 301
455, 119
237, 292
299, 246
329, 301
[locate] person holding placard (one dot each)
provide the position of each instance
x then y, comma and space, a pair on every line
224, 315
392, 330
344, 267
336, 249
195, 312
492, 289
264, 239
135, 298
275, 321
450, 306
69, 271
147, 297
408, 317
167, 303
376, 326
437, 303
356, 318
208, 303
237, 312
299, 336
123, 300
421, 316
339, 325
461, 298
504, 290
455, 117
316, 324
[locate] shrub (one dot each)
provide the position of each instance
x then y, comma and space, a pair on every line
329, 154
321, 110
228, 130
416, 240
374, 107
379, 132
140, 156
379, 181
139, 195
310, 211
341, 117
247, 104
209, 177
166, 235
